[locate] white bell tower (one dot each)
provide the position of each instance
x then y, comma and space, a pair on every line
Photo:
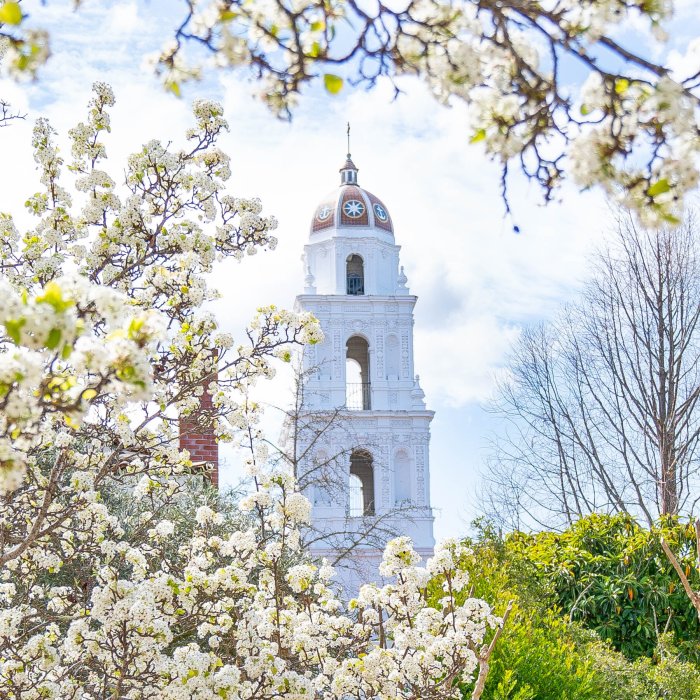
354, 286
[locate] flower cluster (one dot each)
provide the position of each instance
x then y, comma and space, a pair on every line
224, 614
632, 127
637, 137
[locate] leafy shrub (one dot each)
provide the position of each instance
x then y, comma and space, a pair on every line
535, 657
612, 575
643, 679
544, 652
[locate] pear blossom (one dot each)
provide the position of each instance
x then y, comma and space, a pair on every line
117, 576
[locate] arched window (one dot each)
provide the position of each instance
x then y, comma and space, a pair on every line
357, 388
361, 484
355, 275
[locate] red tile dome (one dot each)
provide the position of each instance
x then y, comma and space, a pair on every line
351, 206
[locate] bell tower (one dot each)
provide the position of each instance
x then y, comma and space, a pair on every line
363, 374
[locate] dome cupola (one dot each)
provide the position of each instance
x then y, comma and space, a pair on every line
351, 207
348, 173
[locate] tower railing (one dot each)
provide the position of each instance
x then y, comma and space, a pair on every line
357, 397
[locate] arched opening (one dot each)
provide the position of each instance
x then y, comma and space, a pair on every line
357, 389
356, 502
355, 275
402, 478
361, 484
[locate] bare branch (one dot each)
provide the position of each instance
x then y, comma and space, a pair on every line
485, 655
692, 595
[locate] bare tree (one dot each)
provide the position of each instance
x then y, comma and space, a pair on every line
602, 403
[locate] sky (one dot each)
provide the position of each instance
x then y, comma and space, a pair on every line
478, 282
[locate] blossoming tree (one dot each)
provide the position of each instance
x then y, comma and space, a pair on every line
631, 126
104, 344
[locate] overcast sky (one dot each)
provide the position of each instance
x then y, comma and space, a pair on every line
477, 281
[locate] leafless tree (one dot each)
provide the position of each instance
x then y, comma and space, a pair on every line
602, 403
316, 445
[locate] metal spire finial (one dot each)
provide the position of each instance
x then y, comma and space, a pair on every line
348, 173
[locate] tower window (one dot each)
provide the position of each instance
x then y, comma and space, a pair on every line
361, 484
357, 385
355, 275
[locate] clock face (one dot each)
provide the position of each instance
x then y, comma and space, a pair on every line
380, 213
323, 213
354, 208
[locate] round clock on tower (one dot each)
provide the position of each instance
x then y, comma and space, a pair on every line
363, 376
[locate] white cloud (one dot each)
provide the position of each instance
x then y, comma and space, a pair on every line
122, 18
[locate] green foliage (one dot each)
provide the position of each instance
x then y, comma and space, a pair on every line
612, 575
535, 657
545, 652
643, 679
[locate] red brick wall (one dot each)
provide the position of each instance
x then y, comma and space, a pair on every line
197, 437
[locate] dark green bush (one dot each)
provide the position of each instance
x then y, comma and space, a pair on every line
612, 575
545, 652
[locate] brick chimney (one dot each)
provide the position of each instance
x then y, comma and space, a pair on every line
197, 435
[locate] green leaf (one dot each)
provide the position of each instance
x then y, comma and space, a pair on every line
14, 328
585, 110
333, 83
54, 338
174, 87
135, 326
53, 296
621, 85
659, 187
126, 374
10, 13
480, 135
318, 25
671, 219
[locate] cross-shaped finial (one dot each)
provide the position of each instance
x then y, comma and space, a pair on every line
348, 139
